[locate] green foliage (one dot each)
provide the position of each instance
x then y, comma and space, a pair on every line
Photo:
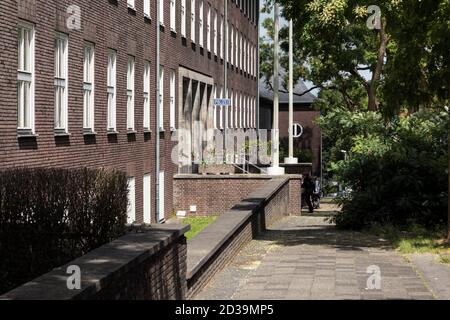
198, 224
397, 171
48, 217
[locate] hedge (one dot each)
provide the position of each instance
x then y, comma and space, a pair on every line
49, 217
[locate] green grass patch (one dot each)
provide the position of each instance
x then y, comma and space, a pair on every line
198, 224
444, 259
414, 239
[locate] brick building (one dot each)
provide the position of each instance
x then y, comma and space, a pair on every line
79, 84
304, 114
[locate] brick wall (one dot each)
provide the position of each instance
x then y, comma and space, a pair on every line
219, 243
213, 195
148, 265
107, 24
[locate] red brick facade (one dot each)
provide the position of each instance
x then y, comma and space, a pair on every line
108, 24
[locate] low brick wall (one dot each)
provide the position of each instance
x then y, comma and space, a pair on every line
214, 195
150, 265
211, 250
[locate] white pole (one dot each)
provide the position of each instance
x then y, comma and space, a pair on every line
291, 159
276, 169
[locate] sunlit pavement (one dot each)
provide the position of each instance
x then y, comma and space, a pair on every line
307, 258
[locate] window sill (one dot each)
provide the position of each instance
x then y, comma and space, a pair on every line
62, 135
112, 132
130, 132
173, 129
27, 135
146, 130
89, 132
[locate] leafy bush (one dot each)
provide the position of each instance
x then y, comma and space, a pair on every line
397, 171
49, 217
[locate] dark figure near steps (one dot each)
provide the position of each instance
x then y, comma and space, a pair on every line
308, 187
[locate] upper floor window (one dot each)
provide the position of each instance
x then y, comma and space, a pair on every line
25, 77
61, 79
161, 98
200, 24
130, 93
88, 87
215, 33
147, 10
183, 18
111, 83
146, 91
172, 100
208, 29
130, 4
173, 18
193, 20
161, 12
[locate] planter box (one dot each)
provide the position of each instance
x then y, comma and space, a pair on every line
216, 169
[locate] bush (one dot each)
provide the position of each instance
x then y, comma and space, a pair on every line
397, 176
49, 217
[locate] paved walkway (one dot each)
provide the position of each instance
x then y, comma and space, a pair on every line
307, 258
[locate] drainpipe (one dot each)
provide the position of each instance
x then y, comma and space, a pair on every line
158, 124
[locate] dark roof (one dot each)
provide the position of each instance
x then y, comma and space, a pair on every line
266, 92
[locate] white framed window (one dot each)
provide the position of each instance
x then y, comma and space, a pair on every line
25, 77
131, 209
221, 118
161, 12
88, 87
146, 91
241, 52
232, 45
241, 103
236, 109
232, 110
111, 90
208, 29
173, 18
172, 101
130, 4
220, 36
161, 98
61, 82
161, 204
130, 93
236, 47
183, 18
215, 32
200, 25
147, 189
193, 20
147, 8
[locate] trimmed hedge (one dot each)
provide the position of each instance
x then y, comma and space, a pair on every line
49, 217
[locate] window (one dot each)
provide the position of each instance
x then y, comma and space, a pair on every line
173, 18
147, 8
200, 25
61, 75
172, 101
25, 78
130, 4
130, 93
208, 29
161, 98
236, 110
215, 33
88, 87
131, 210
161, 12
193, 20
146, 91
147, 189
236, 47
220, 36
232, 110
183, 18
161, 196
112, 56
231, 45
220, 91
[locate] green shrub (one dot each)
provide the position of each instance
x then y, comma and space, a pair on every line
49, 217
397, 175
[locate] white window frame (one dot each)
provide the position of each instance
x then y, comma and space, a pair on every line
172, 99
131, 66
193, 20
161, 12
61, 83
183, 18
130, 4
147, 198
111, 90
215, 31
147, 9
231, 45
131, 207
25, 76
173, 18
201, 24
161, 204
208, 29
89, 87
220, 36
146, 95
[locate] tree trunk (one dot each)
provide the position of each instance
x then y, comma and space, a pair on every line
448, 194
376, 75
